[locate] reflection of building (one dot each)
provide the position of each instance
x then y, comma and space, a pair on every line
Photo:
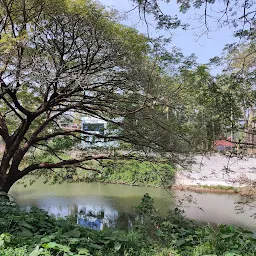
97, 126
91, 222
96, 217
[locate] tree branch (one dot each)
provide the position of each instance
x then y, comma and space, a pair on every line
64, 163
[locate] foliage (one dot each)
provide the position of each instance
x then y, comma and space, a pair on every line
59, 58
235, 13
137, 173
199, 109
238, 83
36, 233
130, 172
190, 238
63, 143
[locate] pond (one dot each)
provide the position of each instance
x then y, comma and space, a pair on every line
106, 204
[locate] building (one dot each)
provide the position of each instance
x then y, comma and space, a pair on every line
223, 145
69, 127
94, 125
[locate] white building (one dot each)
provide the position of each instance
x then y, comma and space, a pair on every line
94, 125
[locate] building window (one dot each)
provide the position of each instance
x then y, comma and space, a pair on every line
99, 128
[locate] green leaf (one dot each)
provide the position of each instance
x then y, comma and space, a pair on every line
159, 233
60, 247
25, 232
117, 247
50, 245
37, 251
63, 248
47, 239
95, 246
180, 242
26, 225
74, 240
83, 251
74, 233
227, 236
231, 254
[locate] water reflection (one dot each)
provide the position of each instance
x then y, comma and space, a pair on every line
88, 202
97, 220
96, 215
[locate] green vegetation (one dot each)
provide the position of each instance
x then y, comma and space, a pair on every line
214, 189
36, 233
219, 187
138, 173
245, 191
64, 58
130, 172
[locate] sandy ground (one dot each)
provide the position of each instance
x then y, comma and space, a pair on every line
219, 170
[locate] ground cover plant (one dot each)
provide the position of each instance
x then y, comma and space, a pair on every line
36, 233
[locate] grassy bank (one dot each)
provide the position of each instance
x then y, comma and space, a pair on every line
248, 191
137, 173
36, 233
129, 172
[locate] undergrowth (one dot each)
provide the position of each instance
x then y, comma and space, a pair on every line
130, 172
36, 233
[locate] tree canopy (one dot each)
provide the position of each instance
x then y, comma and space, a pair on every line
58, 58
237, 13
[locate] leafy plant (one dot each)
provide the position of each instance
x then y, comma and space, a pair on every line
36, 233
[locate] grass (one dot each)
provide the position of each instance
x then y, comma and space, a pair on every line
209, 189
218, 187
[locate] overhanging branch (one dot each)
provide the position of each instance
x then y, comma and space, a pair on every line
64, 163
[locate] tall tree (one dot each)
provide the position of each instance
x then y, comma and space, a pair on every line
240, 61
60, 57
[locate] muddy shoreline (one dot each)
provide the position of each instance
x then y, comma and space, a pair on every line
244, 191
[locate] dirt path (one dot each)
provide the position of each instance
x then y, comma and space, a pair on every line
219, 170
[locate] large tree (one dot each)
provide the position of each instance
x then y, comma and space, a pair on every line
59, 58
63, 57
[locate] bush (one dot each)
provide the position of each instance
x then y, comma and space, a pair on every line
138, 173
189, 238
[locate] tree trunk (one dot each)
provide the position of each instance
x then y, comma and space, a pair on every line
249, 131
3, 189
6, 186
6, 182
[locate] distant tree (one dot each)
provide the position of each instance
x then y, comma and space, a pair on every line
240, 62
